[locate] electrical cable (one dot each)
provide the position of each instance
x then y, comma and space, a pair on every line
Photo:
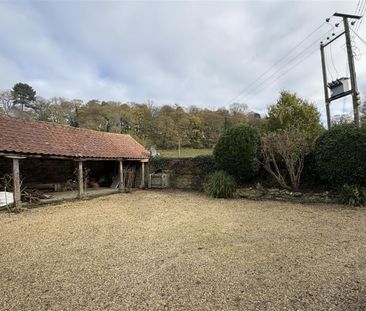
331, 58
359, 37
278, 62
327, 65
330, 51
288, 63
286, 71
362, 10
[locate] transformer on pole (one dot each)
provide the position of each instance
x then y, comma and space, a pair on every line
340, 87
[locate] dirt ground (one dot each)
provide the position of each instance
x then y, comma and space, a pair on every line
153, 250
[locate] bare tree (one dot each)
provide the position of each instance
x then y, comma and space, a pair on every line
283, 154
238, 108
6, 101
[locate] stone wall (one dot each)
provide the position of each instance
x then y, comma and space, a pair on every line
185, 173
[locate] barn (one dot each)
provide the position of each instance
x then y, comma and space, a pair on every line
43, 155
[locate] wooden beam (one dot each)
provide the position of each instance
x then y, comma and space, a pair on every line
45, 156
15, 157
16, 184
140, 160
81, 193
121, 177
142, 185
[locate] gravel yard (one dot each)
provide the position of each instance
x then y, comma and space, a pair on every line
153, 250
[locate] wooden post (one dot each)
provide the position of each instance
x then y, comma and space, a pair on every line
325, 86
81, 193
352, 72
16, 184
142, 175
121, 177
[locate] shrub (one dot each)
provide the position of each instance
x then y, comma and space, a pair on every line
236, 152
291, 111
310, 177
340, 155
220, 185
286, 148
352, 195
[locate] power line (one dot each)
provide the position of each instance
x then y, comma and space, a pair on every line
271, 81
362, 10
249, 95
359, 37
358, 6
331, 58
286, 64
278, 62
330, 51
287, 71
327, 66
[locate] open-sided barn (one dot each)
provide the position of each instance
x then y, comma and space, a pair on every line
39, 153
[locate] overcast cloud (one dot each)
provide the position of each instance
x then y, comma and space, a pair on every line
190, 53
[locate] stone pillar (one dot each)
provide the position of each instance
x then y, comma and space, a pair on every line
81, 192
121, 177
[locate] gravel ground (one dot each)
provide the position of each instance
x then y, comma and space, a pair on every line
153, 250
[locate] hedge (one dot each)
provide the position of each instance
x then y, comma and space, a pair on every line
236, 152
340, 155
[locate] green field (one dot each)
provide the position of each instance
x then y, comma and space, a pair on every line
184, 153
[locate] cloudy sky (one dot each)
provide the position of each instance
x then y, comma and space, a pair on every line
207, 54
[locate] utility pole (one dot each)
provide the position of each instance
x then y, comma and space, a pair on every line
352, 71
326, 95
354, 89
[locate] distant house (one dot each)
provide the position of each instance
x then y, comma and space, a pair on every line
38, 152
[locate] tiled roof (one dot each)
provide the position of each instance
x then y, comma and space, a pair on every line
44, 138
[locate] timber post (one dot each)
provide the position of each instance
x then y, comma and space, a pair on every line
121, 177
81, 192
326, 95
16, 184
142, 185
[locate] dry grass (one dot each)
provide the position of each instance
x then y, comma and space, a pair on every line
185, 152
153, 250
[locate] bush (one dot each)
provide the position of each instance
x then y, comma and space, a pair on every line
287, 148
340, 155
293, 112
352, 195
220, 185
236, 152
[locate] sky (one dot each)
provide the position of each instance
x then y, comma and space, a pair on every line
201, 53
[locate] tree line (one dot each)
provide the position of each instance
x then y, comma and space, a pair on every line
164, 127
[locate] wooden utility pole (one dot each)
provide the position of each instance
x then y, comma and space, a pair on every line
326, 95
352, 71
